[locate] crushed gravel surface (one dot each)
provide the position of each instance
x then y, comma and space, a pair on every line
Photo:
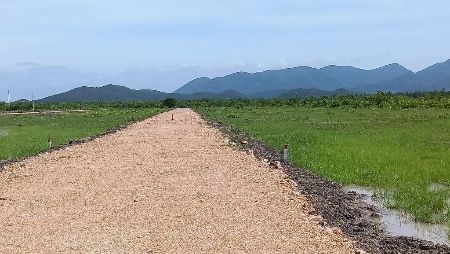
158, 186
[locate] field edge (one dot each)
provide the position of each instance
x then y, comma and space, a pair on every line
347, 211
110, 131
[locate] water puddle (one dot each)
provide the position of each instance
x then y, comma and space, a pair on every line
397, 224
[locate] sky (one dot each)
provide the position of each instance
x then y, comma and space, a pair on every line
51, 46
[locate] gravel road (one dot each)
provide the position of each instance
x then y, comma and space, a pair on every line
158, 186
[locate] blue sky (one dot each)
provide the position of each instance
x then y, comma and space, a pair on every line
50, 46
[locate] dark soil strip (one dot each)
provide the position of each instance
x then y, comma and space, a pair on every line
359, 221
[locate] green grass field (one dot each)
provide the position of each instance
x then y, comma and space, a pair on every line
24, 135
399, 153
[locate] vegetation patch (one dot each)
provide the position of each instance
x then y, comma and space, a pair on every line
339, 208
29, 134
399, 151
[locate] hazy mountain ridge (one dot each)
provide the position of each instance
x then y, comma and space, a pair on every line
122, 93
105, 93
302, 81
388, 78
438, 73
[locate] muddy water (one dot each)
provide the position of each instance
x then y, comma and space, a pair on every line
397, 224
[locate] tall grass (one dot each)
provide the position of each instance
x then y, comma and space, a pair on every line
398, 152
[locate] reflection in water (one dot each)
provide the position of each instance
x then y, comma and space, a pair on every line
397, 224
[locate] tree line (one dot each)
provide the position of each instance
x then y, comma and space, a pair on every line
437, 99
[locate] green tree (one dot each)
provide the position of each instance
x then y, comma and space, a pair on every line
169, 103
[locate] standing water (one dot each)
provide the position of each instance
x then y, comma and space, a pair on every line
397, 224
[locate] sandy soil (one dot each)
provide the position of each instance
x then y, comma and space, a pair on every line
158, 186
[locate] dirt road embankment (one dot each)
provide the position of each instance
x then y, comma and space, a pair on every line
158, 186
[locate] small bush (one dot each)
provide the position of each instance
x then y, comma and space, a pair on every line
169, 103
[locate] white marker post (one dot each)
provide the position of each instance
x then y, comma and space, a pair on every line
49, 143
285, 152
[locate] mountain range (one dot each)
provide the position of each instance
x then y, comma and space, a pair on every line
300, 81
389, 78
122, 93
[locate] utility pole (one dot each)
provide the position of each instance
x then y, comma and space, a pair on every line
9, 100
32, 101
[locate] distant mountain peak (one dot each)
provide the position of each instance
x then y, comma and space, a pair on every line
104, 93
110, 85
337, 66
392, 66
437, 75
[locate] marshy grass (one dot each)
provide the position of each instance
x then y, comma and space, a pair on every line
401, 152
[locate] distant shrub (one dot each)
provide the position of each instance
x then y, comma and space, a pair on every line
3, 106
169, 103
